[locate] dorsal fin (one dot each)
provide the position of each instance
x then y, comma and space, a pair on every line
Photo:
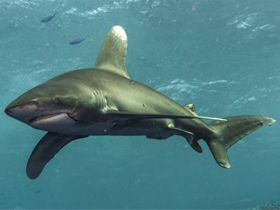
112, 54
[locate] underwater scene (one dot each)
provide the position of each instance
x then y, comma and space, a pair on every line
162, 81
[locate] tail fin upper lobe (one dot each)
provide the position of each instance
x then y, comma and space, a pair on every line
226, 133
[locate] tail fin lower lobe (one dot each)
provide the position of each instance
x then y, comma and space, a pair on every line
226, 133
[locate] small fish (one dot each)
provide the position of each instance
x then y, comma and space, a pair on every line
77, 41
47, 19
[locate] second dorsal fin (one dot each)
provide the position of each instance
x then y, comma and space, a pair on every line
111, 57
191, 108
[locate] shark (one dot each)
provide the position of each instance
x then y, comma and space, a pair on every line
105, 100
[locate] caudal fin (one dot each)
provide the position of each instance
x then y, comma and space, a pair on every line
227, 133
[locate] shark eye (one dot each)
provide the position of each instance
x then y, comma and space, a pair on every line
56, 100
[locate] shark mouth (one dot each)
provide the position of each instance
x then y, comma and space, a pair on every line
53, 118
45, 118
57, 123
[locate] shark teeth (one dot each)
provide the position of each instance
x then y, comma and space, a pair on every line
43, 118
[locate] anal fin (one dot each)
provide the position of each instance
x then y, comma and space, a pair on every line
189, 136
45, 150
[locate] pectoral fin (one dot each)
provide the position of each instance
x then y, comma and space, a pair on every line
45, 150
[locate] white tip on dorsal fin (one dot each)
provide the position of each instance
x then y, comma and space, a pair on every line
112, 54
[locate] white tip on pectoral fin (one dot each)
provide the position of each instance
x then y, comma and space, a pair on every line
112, 54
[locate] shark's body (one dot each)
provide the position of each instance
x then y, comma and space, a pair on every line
104, 100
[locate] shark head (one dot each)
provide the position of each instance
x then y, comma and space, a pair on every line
55, 105
43, 108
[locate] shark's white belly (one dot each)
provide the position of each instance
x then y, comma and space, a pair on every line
64, 124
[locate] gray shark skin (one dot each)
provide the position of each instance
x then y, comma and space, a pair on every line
104, 100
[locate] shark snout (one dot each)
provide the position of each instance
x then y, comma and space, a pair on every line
23, 112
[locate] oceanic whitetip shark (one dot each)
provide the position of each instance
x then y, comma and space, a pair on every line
104, 100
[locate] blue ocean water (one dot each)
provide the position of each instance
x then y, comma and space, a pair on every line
222, 56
